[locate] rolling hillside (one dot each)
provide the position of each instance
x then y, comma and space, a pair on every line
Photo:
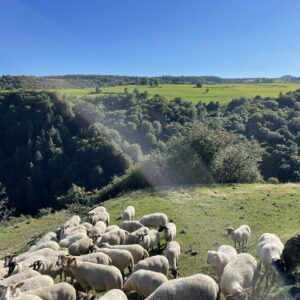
201, 214
223, 93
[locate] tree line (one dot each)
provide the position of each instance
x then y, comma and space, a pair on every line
105, 145
8, 82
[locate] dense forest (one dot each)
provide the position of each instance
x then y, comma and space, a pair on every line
49, 144
8, 82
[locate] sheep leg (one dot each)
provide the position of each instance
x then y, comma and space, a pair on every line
273, 278
255, 279
267, 280
259, 265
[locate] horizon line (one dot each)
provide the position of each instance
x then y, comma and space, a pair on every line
145, 76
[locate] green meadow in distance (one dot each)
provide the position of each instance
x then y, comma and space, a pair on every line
223, 93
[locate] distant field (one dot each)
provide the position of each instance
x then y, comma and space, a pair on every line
217, 92
201, 214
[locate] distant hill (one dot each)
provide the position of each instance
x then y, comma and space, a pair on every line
8, 82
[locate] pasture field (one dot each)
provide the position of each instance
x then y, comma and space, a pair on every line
217, 92
200, 213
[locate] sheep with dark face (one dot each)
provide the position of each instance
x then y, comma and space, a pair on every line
291, 253
169, 231
290, 261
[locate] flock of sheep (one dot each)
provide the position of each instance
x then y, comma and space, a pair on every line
115, 259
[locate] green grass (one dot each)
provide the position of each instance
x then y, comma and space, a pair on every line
15, 238
217, 92
202, 212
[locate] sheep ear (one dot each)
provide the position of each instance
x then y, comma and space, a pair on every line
3, 287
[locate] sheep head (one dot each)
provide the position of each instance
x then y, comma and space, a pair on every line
162, 228
37, 265
10, 290
9, 258
69, 262
229, 230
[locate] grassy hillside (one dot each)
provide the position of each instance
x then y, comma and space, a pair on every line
217, 92
24, 230
201, 214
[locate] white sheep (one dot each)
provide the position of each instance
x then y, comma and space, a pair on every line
134, 237
114, 237
18, 267
131, 226
150, 239
138, 252
50, 245
87, 225
154, 220
172, 253
144, 282
98, 209
239, 276
263, 240
269, 249
98, 229
16, 278
59, 291
114, 294
239, 235
11, 292
96, 217
220, 258
128, 213
81, 246
111, 228
66, 242
195, 287
46, 252
72, 222
122, 259
68, 231
95, 258
97, 277
157, 263
50, 236
47, 266
169, 231
36, 283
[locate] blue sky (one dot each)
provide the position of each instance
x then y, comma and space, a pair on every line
228, 38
